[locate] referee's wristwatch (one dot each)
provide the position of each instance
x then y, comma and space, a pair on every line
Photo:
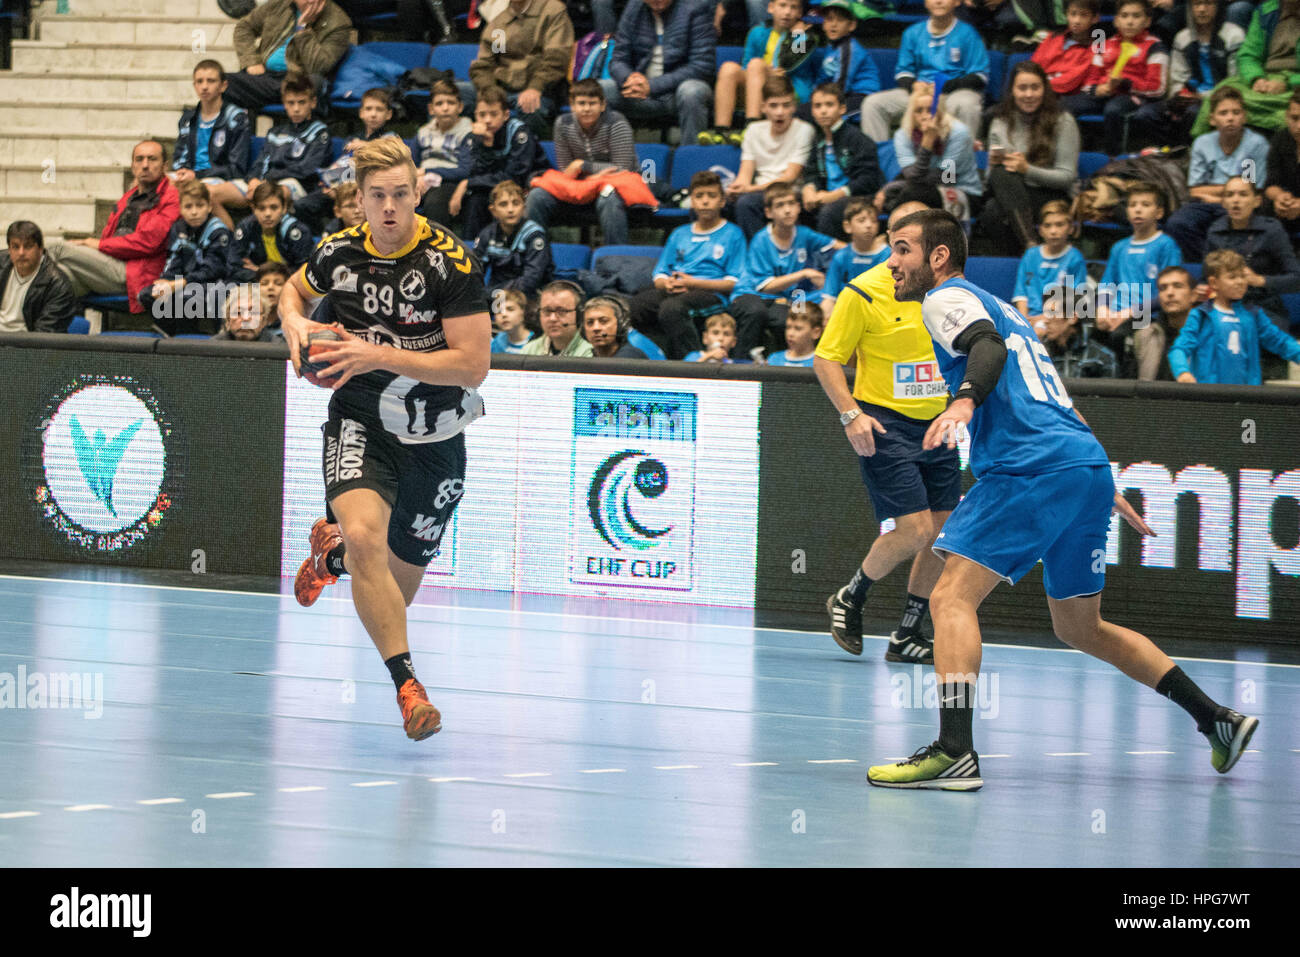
849, 416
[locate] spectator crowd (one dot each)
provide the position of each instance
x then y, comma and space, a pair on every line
1197, 103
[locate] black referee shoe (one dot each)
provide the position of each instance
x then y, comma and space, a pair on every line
846, 623
917, 649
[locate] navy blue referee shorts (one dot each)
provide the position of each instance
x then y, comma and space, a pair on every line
903, 478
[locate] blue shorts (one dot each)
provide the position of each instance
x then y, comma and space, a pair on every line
903, 478
1008, 522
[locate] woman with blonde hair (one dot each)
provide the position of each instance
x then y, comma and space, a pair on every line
936, 158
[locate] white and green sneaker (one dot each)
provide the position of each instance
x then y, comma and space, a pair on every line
1229, 738
930, 767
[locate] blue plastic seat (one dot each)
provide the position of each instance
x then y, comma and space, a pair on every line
1089, 163
455, 57
569, 258
79, 326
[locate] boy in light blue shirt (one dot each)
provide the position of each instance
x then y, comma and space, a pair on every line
1128, 287
867, 247
803, 327
843, 60
1221, 339
942, 48
1053, 270
1230, 150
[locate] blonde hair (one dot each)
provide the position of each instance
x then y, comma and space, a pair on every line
387, 152
923, 93
720, 320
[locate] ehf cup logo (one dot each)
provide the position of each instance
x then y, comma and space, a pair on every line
618, 483
633, 489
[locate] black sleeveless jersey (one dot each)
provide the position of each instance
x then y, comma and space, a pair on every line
399, 300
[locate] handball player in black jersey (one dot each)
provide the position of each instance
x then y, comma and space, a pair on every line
408, 300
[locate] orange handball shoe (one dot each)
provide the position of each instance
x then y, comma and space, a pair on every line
312, 575
420, 718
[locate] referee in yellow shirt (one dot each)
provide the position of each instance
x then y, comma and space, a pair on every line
897, 392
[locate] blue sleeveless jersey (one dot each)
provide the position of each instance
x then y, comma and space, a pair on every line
1027, 424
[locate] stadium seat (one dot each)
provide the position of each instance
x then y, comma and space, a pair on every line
455, 57
569, 258
886, 63
548, 147
414, 146
647, 345
729, 55
1291, 301
997, 76
997, 274
889, 167
79, 326
650, 252
410, 55
689, 160
336, 147
106, 303
1089, 163
1194, 270
982, 160
654, 161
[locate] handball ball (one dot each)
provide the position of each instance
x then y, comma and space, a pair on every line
651, 478
312, 369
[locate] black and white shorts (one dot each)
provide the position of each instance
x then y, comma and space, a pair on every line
422, 483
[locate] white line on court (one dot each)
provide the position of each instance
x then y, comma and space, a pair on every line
152, 801
300, 790
10, 815
603, 618
372, 784
447, 780
223, 795
89, 807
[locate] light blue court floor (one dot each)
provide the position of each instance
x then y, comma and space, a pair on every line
239, 729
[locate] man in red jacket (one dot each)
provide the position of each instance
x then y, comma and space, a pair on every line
130, 253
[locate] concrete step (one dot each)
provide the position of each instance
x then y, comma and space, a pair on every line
55, 215
41, 146
126, 88
193, 32
91, 117
63, 181
172, 10
40, 56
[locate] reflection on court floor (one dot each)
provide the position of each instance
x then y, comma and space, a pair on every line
220, 728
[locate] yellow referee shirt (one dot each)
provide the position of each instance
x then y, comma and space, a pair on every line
896, 364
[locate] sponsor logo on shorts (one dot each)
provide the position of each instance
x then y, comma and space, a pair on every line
427, 528
345, 458
918, 380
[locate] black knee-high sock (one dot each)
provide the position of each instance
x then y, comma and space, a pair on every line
855, 593
1185, 693
401, 669
956, 708
334, 560
913, 612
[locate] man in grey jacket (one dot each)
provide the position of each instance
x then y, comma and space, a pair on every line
283, 36
664, 63
34, 295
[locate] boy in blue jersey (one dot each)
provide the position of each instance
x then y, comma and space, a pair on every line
1221, 339
841, 163
1128, 287
719, 341
271, 234
784, 264
213, 137
783, 49
200, 250
842, 59
1028, 446
1054, 270
503, 149
695, 275
867, 247
803, 327
942, 48
294, 151
511, 320
514, 251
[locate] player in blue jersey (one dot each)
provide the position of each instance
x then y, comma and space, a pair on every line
1028, 446
1128, 287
